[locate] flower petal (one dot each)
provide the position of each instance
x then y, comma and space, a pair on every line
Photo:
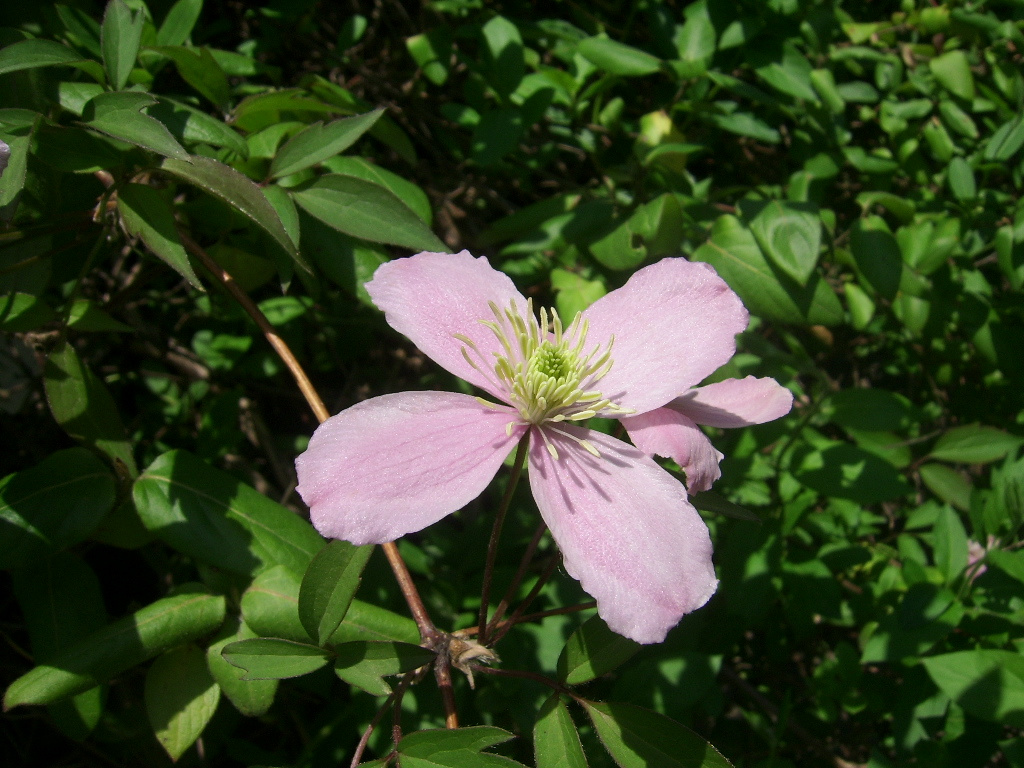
626, 531
397, 463
666, 432
674, 323
735, 402
431, 297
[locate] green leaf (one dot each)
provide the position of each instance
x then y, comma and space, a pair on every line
181, 697
870, 409
213, 517
734, 253
574, 293
1011, 563
199, 69
987, 683
593, 650
148, 632
364, 664
188, 124
318, 142
21, 312
503, 55
947, 484
639, 738
496, 134
120, 36
28, 54
252, 698
365, 621
271, 658
328, 587
791, 74
618, 58
84, 315
53, 505
622, 248
1006, 141
556, 744
950, 541
715, 503
850, 472
961, 180
877, 255
790, 235
744, 124
427, 743
117, 115
237, 191
286, 210
974, 444
12, 178
952, 70
360, 167
925, 615
270, 606
365, 210
179, 22
82, 405
148, 216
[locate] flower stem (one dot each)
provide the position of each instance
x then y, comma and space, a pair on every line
518, 612
499, 519
412, 597
510, 593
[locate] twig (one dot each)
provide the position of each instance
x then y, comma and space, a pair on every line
428, 631
518, 612
517, 579
499, 519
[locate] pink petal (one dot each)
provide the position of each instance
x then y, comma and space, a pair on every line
666, 432
431, 297
735, 402
674, 323
397, 463
626, 532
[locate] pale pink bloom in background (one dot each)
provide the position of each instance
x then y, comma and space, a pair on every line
398, 463
672, 431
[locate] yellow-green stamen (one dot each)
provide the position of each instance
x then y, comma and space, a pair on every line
544, 372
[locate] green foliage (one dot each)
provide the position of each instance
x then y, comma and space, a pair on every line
853, 171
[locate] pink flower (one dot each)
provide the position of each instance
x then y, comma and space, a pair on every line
398, 463
672, 431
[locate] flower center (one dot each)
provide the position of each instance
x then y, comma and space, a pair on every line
545, 371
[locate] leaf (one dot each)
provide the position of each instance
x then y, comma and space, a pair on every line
574, 293
952, 71
790, 235
848, 472
118, 115
270, 606
430, 742
84, 315
410, 194
271, 658
496, 134
974, 444
236, 190
188, 124
331, 581
252, 698
871, 409
148, 216
365, 210
53, 505
213, 517
948, 484
503, 55
734, 253
987, 683
1012, 563
136, 638
556, 744
950, 541
181, 697
639, 738
877, 255
363, 664
1006, 141
82, 405
21, 312
318, 142
618, 58
593, 650
791, 74
28, 54
120, 36
179, 22
200, 69
365, 621
961, 180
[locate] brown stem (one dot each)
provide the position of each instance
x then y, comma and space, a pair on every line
499, 519
443, 675
516, 616
427, 629
510, 593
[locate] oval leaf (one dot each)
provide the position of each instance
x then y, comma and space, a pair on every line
319, 142
328, 587
593, 650
181, 697
271, 658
